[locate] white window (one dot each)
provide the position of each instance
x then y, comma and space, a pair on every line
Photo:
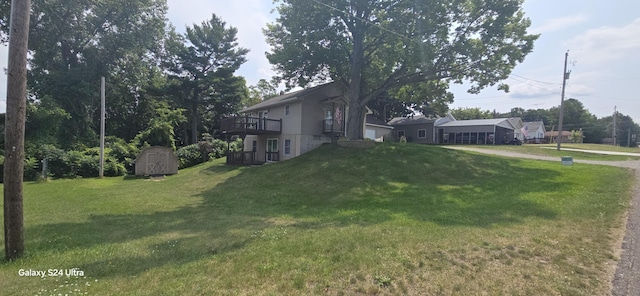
287, 147
400, 134
422, 133
287, 110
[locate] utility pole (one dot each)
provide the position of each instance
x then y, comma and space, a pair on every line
615, 134
565, 76
14, 129
102, 117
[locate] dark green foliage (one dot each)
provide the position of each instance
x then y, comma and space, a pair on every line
189, 156
160, 131
205, 150
202, 64
124, 153
405, 48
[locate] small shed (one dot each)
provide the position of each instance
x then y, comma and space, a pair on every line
156, 160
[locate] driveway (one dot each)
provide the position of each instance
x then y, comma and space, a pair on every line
626, 280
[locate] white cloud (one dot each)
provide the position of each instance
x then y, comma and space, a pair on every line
606, 44
560, 23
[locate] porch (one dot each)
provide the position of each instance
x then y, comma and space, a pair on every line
238, 125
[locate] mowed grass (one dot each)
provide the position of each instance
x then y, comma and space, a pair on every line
551, 150
393, 219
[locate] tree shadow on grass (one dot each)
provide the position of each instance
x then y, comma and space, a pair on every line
336, 188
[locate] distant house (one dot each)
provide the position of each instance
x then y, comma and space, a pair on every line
476, 131
552, 137
292, 124
376, 129
156, 160
418, 128
534, 132
518, 128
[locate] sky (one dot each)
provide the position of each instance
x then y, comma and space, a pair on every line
601, 37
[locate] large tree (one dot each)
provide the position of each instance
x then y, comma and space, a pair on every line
72, 44
378, 46
203, 62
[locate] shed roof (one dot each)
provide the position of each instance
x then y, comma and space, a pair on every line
420, 119
375, 121
502, 122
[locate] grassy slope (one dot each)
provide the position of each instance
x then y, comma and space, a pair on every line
394, 219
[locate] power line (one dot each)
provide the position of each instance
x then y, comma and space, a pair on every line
538, 81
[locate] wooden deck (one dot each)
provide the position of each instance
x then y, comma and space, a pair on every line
250, 125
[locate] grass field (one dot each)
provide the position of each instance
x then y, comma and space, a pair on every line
543, 149
394, 219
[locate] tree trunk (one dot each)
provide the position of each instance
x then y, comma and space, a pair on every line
194, 116
14, 129
355, 121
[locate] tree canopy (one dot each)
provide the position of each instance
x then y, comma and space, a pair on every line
204, 67
397, 46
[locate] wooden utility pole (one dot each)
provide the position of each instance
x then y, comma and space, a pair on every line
14, 129
565, 76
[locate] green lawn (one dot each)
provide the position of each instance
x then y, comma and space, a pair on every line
543, 149
394, 219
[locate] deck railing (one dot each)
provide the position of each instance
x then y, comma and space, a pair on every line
250, 125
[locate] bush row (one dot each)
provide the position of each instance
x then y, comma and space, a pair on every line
119, 159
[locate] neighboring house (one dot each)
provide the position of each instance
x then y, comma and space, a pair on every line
417, 128
552, 137
291, 124
476, 131
376, 129
156, 160
534, 132
518, 128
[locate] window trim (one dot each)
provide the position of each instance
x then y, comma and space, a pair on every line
425, 133
287, 110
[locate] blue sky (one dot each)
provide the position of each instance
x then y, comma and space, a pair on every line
602, 37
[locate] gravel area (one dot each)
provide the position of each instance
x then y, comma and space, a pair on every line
626, 280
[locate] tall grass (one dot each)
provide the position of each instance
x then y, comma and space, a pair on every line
394, 219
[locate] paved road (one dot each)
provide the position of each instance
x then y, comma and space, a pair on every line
626, 280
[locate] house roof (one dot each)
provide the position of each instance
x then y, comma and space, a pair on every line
375, 121
535, 125
420, 119
286, 98
516, 122
502, 122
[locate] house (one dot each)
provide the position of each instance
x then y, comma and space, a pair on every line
376, 129
518, 125
417, 128
534, 132
476, 131
552, 137
292, 124
156, 160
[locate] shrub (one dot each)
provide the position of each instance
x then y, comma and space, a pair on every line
205, 150
189, 156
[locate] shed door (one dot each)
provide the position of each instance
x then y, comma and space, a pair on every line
157, 163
